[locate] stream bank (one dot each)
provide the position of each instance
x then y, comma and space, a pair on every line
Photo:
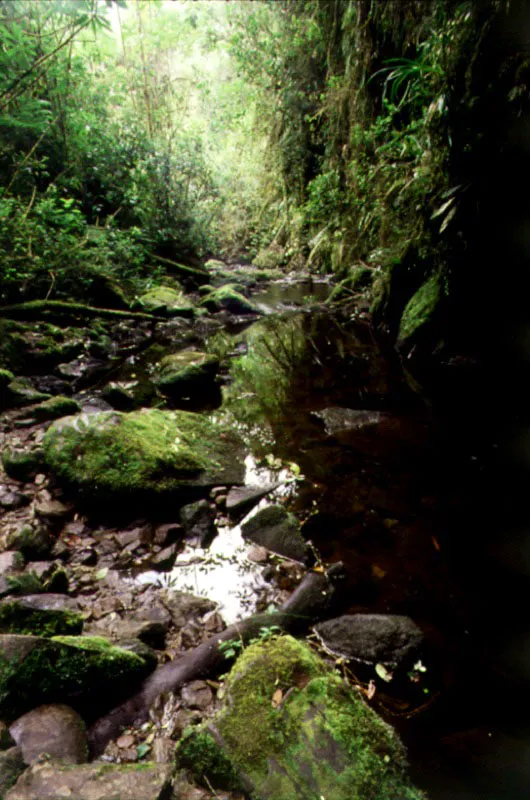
345, 445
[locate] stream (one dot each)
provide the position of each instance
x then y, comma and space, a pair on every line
383, 481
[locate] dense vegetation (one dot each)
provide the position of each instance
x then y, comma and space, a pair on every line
329, 134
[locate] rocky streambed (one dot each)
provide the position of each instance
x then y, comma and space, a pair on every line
180, 482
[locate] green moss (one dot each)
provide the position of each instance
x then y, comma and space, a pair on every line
37, 347
56, 407
22, 465
20, 392
270, 258
175, 373
17, 618
5, 377
421, 309
64, 667
227, 298
320, 740
199, 752
163, 299
149, 451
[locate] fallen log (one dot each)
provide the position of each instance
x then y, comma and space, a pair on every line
200, 276
314, 599
46, 309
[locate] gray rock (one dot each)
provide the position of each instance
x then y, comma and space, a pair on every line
242, 499
11, 767
11, 560
183, 607
197, 519
151, 632
372, 638
97, 781
56, 730
165, 559
10, 499
277, 530
197, 694
52, 512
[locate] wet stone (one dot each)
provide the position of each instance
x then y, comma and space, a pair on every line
197, 519
372, 638
10, 499
165, 559
276, 529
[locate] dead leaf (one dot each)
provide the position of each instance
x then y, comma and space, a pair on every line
277, 698
371, 690
436, 544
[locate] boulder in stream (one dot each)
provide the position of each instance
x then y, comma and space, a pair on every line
142, 455
279, 531
387, 639
227, 298
187, 373
290, 727
167, 302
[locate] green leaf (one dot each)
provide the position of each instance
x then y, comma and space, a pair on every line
143, 749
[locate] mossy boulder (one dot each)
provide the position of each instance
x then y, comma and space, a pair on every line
42, 615
36, 348
22, 465
21, 392
227, 298
74, 669
167, 302
186, 373
421, 312
55, 408
33, 539
142, 455
290, 727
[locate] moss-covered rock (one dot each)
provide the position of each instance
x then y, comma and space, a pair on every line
35, 670
227, 298
22, 465
143, 454
42, 615
186, 373
421, 311
55, 408
21, 392
34, 349
167, 302
33, 539
291, 727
